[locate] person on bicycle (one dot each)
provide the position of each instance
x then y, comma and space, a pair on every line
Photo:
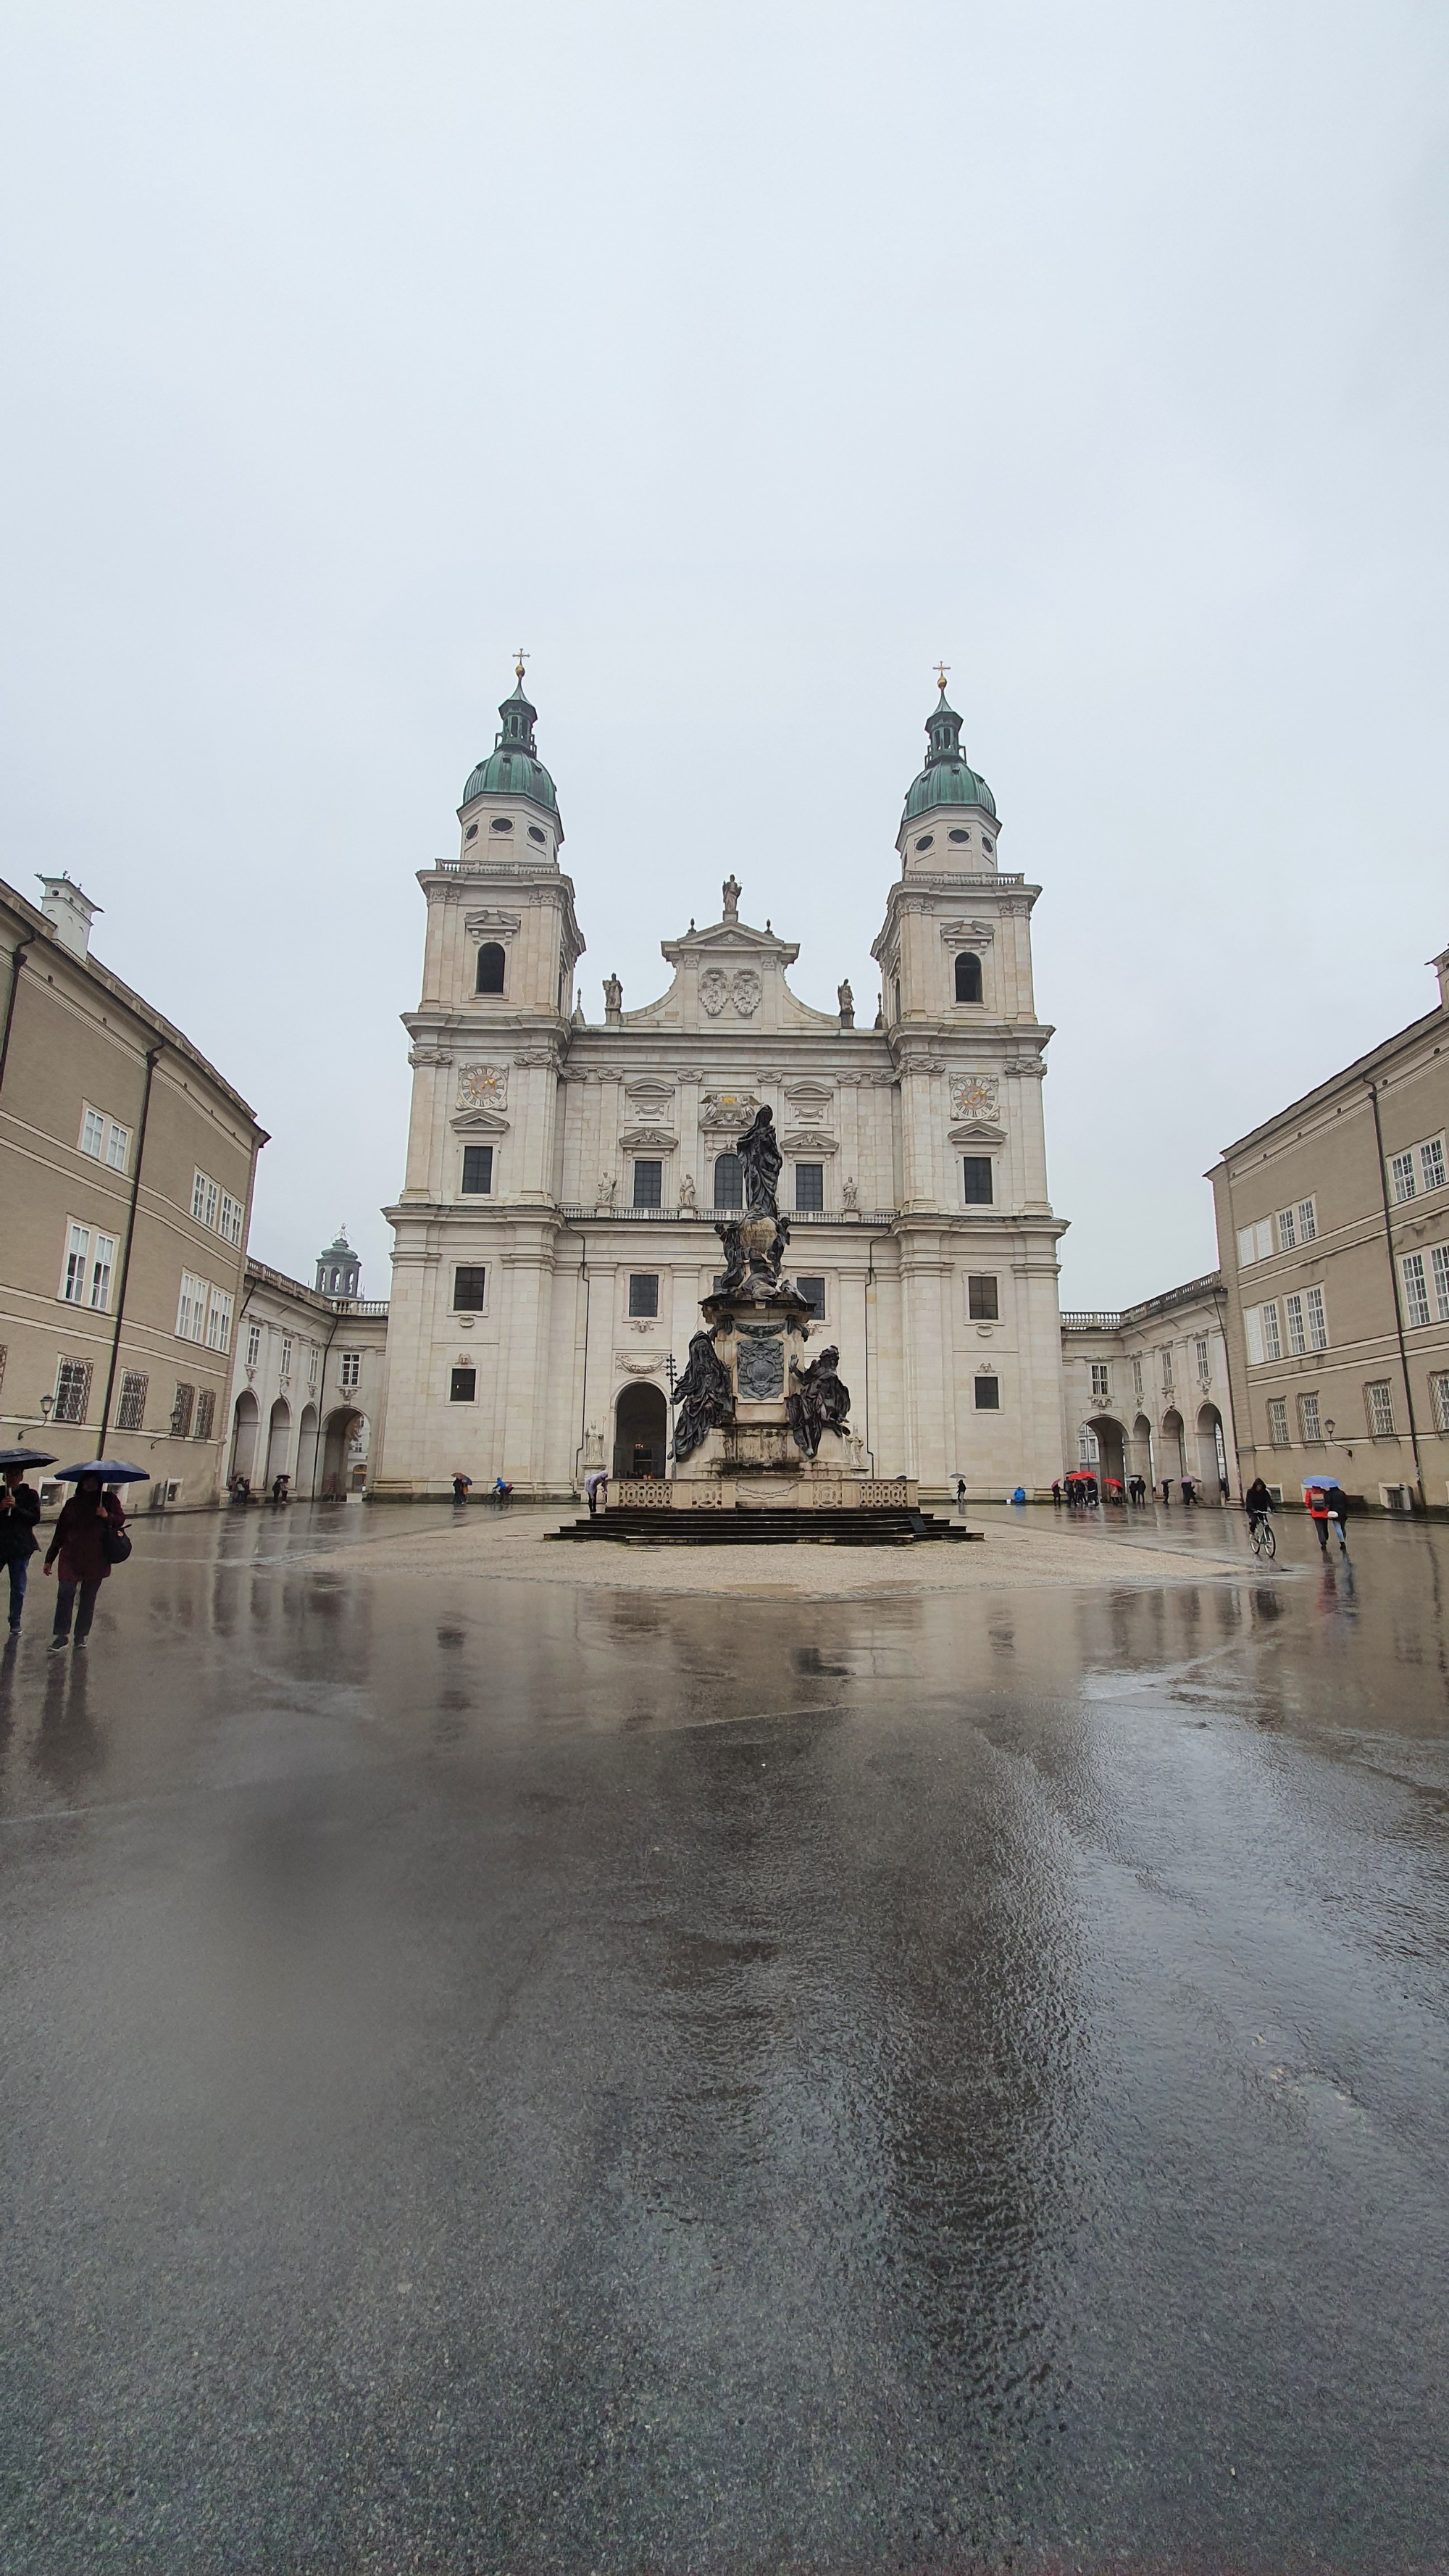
1257, 1503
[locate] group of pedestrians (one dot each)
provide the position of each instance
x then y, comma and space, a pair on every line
88, 1540
500, 1491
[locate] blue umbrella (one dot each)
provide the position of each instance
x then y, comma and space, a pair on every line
111, 1471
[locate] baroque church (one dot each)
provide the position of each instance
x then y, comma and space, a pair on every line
555, 1231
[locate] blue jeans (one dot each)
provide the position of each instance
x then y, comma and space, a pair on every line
19, 1577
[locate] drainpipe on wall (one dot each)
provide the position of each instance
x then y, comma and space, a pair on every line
1394, 1283
21, 950
152, 1060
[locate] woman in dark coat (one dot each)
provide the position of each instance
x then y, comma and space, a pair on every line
19, 1512
79, 1541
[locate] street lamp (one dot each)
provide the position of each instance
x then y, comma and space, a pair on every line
47, 1403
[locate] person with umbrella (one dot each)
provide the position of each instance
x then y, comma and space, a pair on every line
19, 1512
89, 1538
1324, 1498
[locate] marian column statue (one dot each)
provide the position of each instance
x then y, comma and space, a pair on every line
760, 1163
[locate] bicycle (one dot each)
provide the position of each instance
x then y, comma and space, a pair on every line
1260, 1531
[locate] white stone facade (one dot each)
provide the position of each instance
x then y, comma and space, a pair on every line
1146, 1391
554, 1232
307, 1388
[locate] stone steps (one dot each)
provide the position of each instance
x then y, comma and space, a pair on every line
863, 1526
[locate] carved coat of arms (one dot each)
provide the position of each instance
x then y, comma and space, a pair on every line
743, 988
483, 1086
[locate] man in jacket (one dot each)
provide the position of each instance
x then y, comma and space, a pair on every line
19, 1512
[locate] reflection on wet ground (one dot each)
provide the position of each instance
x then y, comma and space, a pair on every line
515, 2077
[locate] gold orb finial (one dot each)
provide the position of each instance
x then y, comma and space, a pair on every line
941, 669
522, 658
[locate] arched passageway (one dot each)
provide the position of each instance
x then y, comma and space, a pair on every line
246, 1424
340, 1433
279, 1438
1211, 1448
1171, 1455
1141, 1449
307, 1452
1111, 1442
641, 1432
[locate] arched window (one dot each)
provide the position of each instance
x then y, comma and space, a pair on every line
490, 968
729, 1182
968, 978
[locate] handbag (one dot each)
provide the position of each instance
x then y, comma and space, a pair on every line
115, 1546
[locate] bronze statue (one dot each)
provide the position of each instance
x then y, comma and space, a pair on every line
703, 1395
818, 1402
760, 1164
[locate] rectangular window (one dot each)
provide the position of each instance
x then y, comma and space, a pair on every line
1165, 1355
988, 1395
1309, 1426
286, 1367
203, 1199
643, 1292
72, 1391
477, 1171
205, 1413
313, 1361
132, 1413
813, 1292
1317, 1320
1307, 1221
101, 1264
1255, 1242
649, 1184
182, 1411
93, 1134
1278, 1421
1100, 1387
191, 1308
809, 1187
1439, 1397
1297, 1336
1379, 1406
468, 1288
983, 1303
118, 1145
351, 1372
1272, 1341
1439, 1268
462, 1386
218, 1321
77, 1262
1431, 1163
1137, 1376
1416, 1288
230, 1221
1204, 1364
977, 1168
1401, 1176
254, 1344
1287, 1231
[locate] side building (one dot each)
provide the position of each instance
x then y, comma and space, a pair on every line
126, 1172
309, 1381
1147, 1390
554, 1232
1333, 1234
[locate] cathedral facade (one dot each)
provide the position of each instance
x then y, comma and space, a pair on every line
555, 1231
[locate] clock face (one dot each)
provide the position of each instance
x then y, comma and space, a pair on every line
973, 1095
482, 1086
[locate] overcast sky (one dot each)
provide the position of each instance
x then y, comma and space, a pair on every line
738, 361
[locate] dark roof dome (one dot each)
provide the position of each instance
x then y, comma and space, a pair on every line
513, 767
948, 778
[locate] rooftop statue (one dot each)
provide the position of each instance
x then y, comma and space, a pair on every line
760, 1163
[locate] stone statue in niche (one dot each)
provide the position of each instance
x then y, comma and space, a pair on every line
703, 1396
607, 1187
760, 1368
686, 1191
818, 1402
850, 1193
760, 1163
730, 897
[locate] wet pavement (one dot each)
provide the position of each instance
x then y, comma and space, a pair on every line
505, 2076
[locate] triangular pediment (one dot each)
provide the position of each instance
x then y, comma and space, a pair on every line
479, 1122
731, 938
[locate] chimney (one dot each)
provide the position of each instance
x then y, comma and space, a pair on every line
71, 912
1441, 968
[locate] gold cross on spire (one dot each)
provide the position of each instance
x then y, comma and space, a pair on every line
941, 670
522, 658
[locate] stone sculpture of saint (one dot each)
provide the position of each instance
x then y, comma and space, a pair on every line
760, 1162
613, 993
686, 1190
846, 1000
851, 1193
703, 1395
730, 896
818, 1402
607, 1187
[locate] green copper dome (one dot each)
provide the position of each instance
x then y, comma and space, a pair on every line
948, 778
513, 767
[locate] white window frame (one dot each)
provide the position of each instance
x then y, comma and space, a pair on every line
74, 1263
218, 1319
1310, 1420
1287, 1231
205, 1199
1439, 1398
1433, 1170
191, 1308
1278, 1420
229, 1219
285, 1369
1403, 1183
1317, 1319
1202, 1350
1379, 1429
1415, 1287
1137, 1377
349, 1372
1307, 1220
118, 1145
103, 1264
254, 1345
1439, 1271
1101, 1382
1293, 1318
1255, 1242
93, 1132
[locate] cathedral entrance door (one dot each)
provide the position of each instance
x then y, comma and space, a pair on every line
641, 1432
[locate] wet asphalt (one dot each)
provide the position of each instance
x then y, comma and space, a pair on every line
508, 2076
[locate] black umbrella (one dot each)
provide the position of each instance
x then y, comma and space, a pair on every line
111, 1471
27, 1457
